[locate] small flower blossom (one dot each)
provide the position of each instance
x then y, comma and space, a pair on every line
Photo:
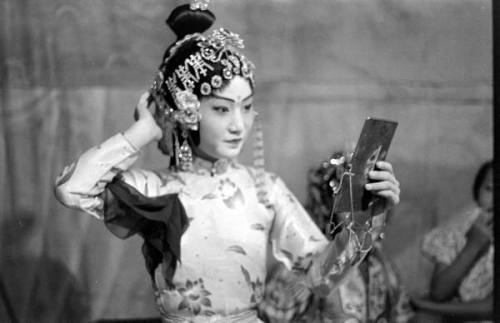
195, 297
189, 110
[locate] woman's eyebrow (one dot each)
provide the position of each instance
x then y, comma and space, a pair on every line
229, 99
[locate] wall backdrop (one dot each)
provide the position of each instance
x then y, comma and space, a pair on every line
71, 72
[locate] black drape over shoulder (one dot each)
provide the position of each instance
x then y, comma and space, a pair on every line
160, 220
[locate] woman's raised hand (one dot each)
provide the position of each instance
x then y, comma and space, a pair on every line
481, 231
144, 115
145, 129
384, 184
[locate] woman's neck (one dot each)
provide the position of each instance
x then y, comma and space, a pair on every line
198, 153
210, 163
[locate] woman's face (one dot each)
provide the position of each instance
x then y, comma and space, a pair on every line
226, 119
485, 196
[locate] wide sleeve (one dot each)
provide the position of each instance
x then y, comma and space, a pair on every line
297, 242
294, 236
440, 245
309, 264
80, 184
128, 201
160, 220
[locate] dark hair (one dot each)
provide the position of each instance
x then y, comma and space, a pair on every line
184, 21
480, 177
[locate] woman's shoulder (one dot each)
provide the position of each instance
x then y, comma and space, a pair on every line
459, 223
153, 182
255, 173
266, 179
446, 240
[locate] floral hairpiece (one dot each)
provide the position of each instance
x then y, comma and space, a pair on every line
188, 113
186, 116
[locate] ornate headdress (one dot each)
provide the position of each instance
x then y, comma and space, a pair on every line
210, 62
219, 48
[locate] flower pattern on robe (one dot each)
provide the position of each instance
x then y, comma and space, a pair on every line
229, 192
195, 297
257, 286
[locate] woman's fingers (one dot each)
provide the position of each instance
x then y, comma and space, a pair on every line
382, 186
383, 183
386, 189
377, 175
141, 109
383, 165
484, 222
143, 100
391, 197
148, 122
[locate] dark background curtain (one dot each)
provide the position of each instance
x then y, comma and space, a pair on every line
71, 72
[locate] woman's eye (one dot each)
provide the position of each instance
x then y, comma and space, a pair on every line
220, 109
248, 107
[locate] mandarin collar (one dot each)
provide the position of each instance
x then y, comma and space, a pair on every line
216, 167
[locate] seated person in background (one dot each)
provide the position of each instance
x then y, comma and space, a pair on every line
462, 282
372, 293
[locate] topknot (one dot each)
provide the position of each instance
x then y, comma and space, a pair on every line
184, 21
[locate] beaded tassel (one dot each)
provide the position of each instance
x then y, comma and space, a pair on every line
185, 156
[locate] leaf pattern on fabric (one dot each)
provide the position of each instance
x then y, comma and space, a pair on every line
246, 274
208, 313
236, 249
195, 296
314, 239
230, 193
236, 200
257, 286
258, 227
287, 254
209, 196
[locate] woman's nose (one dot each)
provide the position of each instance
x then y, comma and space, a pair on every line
236, 124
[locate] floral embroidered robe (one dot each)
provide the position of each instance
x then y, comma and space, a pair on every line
230, 238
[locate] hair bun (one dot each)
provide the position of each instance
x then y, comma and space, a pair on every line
184, 21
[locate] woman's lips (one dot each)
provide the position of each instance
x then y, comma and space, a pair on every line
233, 143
